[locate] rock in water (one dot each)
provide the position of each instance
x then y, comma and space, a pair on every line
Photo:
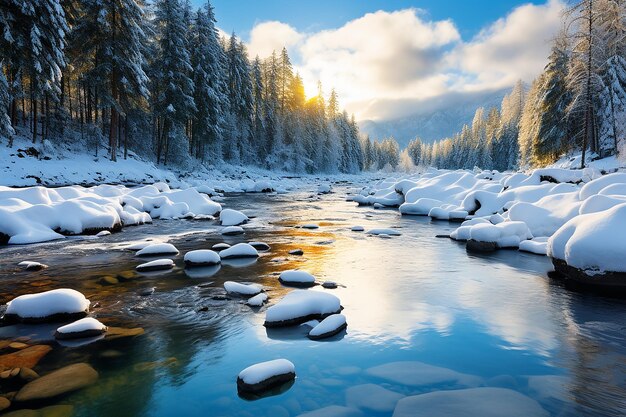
220, 247
328, 327
477, 246
300, 306
158, 265
25, 358
230, 217
202, 257
297, 278
262, 246
61, 381
4, 403
158, 249
329, 284
32, 266
55, 305
240, 250
87, 327
232, 231
265, 375
298, 252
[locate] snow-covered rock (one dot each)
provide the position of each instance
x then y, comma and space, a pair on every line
83, 328
258, 300
230, 217
328, 327
240, 250
538, 246
54, 305
357, 228
158, 249
232, 231
297, 278
202, 257
218, 247
300, 306
156, 265
32, 266
388, 232
233, 287
324, 189
265, 375
592, 244
487, 236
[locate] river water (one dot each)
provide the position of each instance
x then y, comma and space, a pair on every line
423, 316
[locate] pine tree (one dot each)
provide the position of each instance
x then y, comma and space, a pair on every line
175, 99
209, 87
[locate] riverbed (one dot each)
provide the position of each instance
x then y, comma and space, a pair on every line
423, 314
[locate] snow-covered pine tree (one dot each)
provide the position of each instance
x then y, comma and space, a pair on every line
210, 90
174, 103
6, 130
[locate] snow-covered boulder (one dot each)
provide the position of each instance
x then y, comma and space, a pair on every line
300, 306
265, 375
591, 247
421, 207
357, 229
328, 327
544, 217
487, 236
202, 257
296, 278
158, 249
83, 328
156, 265
232, 231
230, 217
55, 305
218, 247
258, 300
240, 250
324, 189
233, 287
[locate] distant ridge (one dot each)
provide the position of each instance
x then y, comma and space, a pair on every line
444, 117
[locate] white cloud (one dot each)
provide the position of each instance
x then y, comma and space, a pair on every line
272, 36
392, 58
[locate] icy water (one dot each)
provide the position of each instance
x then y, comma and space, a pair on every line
453, 320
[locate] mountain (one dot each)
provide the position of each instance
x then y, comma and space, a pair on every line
433, 119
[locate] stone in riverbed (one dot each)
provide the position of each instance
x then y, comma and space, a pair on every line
27, 374
220, 247
477, 246
261, 246
80, 329
32, 266
330, 326
62, 304
109, 280
233, 231
18, 345
158, 265
298, 252
329, 285
265, 375
51, 411
119, 332
25, 358
4, 403
59, 382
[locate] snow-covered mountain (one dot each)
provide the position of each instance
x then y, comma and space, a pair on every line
433, 119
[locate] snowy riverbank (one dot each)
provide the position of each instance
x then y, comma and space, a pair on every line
574, 216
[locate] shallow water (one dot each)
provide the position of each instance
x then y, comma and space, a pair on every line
456, 320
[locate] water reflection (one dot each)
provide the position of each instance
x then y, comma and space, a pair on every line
423, 316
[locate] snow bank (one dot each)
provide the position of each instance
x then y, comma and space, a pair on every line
594, 242
49, 305
300, 306
38, 214
328, 327
297, 278
233, 287
240, 250
202, 257
83, 328
230, 217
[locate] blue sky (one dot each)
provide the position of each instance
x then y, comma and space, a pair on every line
241, 15
387, 58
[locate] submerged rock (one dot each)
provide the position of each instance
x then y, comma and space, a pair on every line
298, 252
265, 375
59, 382
24, 358
51, 411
